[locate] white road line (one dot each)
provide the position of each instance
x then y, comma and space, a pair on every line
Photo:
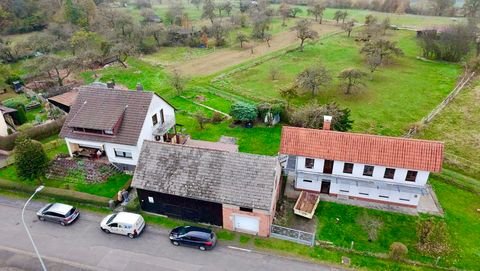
239, 248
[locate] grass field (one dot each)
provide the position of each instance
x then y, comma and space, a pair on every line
402, 91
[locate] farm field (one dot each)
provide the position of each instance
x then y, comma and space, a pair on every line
397, 96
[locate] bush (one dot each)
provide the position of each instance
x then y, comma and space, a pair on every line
432, 237
398, 251
20, 116
217, 117
311, 116
31, 160
371, 225
241, 111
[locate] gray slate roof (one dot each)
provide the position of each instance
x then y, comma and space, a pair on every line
240, 179
100, 108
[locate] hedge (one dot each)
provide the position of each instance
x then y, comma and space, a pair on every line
57, 193
37, 132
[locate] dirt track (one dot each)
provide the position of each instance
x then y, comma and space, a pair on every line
225, 58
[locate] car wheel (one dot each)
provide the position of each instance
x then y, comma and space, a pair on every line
63, 223
41, 218
202, 248
175, 243
131, 236
106, 231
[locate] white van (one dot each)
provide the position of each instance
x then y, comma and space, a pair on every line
124, 223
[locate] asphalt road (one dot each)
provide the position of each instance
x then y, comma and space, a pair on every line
83, 246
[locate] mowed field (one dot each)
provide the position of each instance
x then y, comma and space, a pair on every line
395, 97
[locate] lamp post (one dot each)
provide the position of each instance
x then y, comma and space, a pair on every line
26, 228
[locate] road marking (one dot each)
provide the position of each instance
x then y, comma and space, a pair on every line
239, 248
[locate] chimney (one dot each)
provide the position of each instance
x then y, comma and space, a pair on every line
327, 121
111, 84
139, 87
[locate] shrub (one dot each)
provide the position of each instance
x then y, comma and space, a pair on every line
241, 111
217, 117
371, 225
31, 160
20, 116
201, 118
311, 116
398, 251
432, 237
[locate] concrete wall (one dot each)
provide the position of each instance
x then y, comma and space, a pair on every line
156, 105
264, 217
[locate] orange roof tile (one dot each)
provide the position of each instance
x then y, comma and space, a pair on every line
362, 148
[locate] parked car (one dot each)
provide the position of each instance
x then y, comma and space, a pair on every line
124, 223
204, 239
59, 213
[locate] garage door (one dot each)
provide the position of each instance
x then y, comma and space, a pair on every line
247, 223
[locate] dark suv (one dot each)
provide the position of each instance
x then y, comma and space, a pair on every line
202, 238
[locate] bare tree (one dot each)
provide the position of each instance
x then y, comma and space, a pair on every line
219, 31
381, 48
304, 32
353, 78
288, 94
267, 37
201, 118
348, 27
471, 8
274, 72
178, 82
58, 68
316, 9
295, 11
442, 7
285, 11
209, 10
242, 37
313, 78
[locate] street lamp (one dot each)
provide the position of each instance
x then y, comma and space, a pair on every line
26, 228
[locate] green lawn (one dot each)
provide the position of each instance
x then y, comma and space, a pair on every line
461, 216
397, 96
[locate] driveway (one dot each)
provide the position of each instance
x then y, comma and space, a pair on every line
82, 246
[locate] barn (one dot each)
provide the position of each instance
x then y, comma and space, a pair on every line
236, 191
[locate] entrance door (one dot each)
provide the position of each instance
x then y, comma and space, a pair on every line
325, 188
328, 167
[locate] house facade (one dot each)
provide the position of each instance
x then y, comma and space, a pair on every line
6, 120
236, 191
359, 166
116, 123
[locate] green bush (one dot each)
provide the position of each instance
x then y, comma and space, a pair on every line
241, 111
31, 160
20, 116
398, 251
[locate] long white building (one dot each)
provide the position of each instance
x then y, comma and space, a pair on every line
360, 166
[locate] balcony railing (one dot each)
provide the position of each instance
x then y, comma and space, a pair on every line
162, 128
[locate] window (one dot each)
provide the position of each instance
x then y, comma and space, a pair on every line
307, 181
362, 193
113, 225
404, 199
245, 209
382, 196
309, 162
150, 200
411, 176
368, 171
92, 131
162, 117
344, 191
348, 168
389, 173
123, 154
108, 132
154, 119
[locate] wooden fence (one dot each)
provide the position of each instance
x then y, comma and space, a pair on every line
465, 79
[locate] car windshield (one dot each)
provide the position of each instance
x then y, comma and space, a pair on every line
111, 218
70, 212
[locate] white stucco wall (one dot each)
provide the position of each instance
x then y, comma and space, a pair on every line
109, 149
3, 126
156, 105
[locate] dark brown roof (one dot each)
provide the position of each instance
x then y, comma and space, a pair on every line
98, 108
362, 148
240, 179
67, 98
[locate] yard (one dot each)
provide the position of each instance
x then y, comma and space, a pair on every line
402, 91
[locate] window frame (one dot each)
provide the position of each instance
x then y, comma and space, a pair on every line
365, 170
312, 163
154, 119
385, 176
415, 174
351, 169
123, 154
162, 116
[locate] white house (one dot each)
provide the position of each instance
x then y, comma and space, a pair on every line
360, 166
116, 122
6, 120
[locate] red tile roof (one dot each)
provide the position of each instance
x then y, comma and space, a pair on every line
362, 148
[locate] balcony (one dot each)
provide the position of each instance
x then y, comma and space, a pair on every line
162, 128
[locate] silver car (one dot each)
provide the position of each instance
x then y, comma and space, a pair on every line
59, 213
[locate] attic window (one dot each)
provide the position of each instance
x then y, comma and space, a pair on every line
411, 176
154, 119
245, 209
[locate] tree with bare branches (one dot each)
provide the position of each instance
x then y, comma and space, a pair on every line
353, 78
304, 32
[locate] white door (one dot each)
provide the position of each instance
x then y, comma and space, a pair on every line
247, 223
